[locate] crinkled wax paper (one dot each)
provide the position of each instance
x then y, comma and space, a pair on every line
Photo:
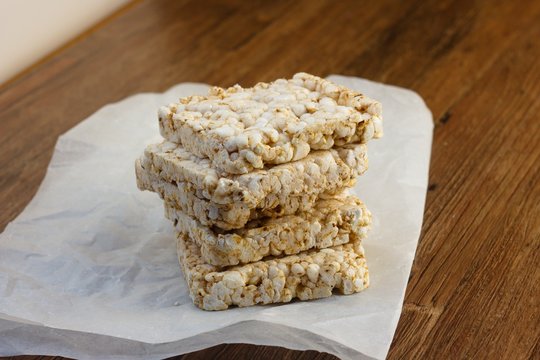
89, 268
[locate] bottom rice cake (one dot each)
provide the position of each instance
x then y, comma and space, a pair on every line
309, 275
331, 222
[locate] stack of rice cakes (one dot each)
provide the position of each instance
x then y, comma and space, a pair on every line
255, 181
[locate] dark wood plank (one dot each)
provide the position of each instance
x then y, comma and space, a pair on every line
473, 290
481, 237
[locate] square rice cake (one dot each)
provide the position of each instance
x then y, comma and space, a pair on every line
271, 123
320, 171
308, 275
331, 222
229, 202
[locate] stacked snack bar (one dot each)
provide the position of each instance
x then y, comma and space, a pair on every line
255, 182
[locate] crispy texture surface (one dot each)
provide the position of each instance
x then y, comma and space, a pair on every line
308, 275
240, 130
226, 217
331, 222
230, 203
320, 171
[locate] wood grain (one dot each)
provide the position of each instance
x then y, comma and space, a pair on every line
474, 288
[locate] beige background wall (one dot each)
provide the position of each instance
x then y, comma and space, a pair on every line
31, 29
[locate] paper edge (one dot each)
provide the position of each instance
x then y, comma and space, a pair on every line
69, 341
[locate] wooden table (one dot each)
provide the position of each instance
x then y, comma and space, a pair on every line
475, 285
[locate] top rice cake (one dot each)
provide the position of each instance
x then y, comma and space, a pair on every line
240, 130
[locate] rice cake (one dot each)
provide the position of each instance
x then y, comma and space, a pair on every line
308, 275
271, 123
331, 222
230, 202
320, 171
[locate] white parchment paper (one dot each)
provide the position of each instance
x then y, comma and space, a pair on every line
89, 268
